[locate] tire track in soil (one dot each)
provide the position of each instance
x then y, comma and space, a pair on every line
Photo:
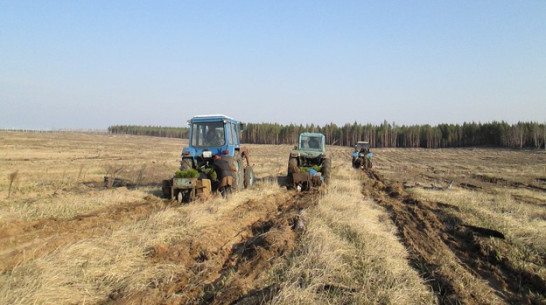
437, 240
22, 241
481, 181
226, 275
271, 238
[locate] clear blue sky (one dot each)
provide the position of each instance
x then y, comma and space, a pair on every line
91, 64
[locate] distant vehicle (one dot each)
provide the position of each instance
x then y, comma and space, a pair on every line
362, 157
308, 164
210, 136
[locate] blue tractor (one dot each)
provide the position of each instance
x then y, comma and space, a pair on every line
213, 137
362, 157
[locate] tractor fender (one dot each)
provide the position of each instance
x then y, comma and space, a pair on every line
294, 154
245, 154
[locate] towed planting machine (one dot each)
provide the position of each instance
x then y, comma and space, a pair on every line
213, 161
308, 165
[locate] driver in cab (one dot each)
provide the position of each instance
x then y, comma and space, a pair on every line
214, 138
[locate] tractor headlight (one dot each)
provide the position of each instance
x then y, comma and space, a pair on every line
207, 154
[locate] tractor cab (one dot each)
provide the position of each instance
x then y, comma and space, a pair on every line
312, 142
310, 146
362, 147
211, 135
308, 164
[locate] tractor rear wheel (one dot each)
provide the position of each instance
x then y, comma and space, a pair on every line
249, 177
239, 175
356, 162
292, 168
368, 164
326, 168
292, 165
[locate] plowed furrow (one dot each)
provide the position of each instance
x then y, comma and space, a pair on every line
450, 254
227, 272
271, 238
22, 241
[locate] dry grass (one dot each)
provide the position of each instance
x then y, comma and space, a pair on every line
60, 174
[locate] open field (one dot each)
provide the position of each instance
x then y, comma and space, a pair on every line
453, 226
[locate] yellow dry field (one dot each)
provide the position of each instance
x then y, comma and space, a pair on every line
461, 226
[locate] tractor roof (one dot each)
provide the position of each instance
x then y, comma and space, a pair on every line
213, 116
312, 134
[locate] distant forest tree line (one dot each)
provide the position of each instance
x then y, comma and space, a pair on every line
495, 134
154, 131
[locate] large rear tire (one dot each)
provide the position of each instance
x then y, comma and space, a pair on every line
356, 162
292, 165
249, 177
292, 168
239, 175
326, 168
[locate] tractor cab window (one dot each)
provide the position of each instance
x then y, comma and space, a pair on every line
234, 134
309, 142
362, 147
208, 134
228, 133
